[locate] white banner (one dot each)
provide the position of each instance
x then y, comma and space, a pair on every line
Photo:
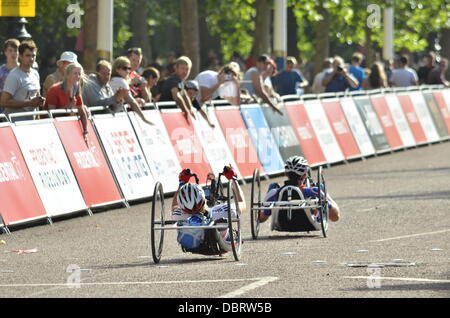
400, 120
423, 113
446, 94
158, 149
49, 168
214, 144
357, 126
125, 155
324, 133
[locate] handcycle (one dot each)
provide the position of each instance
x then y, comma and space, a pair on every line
291, 212
213, 243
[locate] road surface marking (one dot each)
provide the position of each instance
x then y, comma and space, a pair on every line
402, 279
408, 236
239, 292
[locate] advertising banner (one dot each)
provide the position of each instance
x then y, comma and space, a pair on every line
445, 111
158, 149
438, 119
305, 133
125, 155
262, 138
387, 122
19, 198
88, 162
400, 120
186, 144
411, 117
283, 133
238, 140
341, 128
324, 133
424, 116
370, 119
49, 168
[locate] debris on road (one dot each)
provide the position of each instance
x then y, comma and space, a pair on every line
33, 250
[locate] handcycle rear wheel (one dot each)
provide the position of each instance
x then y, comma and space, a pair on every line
157, 218
323, 202
255, 196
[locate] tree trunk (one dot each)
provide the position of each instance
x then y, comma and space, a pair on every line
207, 41
370, 54
292, 34
139, 28
322, 30
445, 43
90, 35
262, 29
190, 42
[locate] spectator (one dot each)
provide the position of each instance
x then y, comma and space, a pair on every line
388, 69
376, 79
437, 74
237, 58
339, 79
67, 94
173, 86
356, 70
404, 76
287, 81
317, 87
429, 63
255, 81
120, 78
48, 66
170, 64
151, 77
65, 59
98, 92
10, 49
210, 82
137, 81
22, 86
191, 88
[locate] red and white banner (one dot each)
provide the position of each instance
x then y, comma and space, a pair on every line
443, 107
158, 149
400, 120
357, 126
238, 140
20, 201
425, 119
305, 133
125, 155
49, 167
186, 144
340, 128
387, 122
88, 162
214, 144
411, 117
324, 133
446, 94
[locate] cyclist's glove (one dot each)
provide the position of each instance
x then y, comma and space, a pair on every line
229, 173
184, 176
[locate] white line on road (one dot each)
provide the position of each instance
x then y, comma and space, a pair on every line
402, 279
239, 292
408, 236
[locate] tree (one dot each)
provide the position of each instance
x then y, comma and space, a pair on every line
90, 35
139, 27
261, 43
190, 42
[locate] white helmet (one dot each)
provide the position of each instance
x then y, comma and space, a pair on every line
297, 164
191, 198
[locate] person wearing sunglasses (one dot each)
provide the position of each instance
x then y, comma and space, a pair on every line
120, 79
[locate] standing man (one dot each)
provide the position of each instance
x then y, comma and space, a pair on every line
356, 70
22, 86
137, 81
429, 64
327, 65
173, 87
437, 74
339, 80
10, 49
287, 81
58, 76
403, 76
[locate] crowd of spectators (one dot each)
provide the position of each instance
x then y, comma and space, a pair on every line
128, 81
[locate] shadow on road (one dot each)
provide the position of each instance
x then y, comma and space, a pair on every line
281, 238
412, 196
405, 287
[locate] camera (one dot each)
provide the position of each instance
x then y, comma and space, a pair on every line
228, 77
340, 69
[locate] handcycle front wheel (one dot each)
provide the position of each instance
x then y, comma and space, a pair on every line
323, 201
255, 196
157, 219
234, 231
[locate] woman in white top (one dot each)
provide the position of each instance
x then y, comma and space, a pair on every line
120, 78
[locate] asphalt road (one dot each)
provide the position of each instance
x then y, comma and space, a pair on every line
395, 213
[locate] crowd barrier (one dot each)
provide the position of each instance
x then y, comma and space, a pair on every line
48, 170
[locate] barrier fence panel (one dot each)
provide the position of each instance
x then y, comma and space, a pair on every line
370, 119
341, 129
238, 140
125, 155
442, 105
49, 167
400, 120
387, 122
158, 149
446, 94
411, 117
88, 162
424, 116
305, 133
186, 144
324, 133
357, 126
214, 144
283, 133
262, 138
20, 201
436, 115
